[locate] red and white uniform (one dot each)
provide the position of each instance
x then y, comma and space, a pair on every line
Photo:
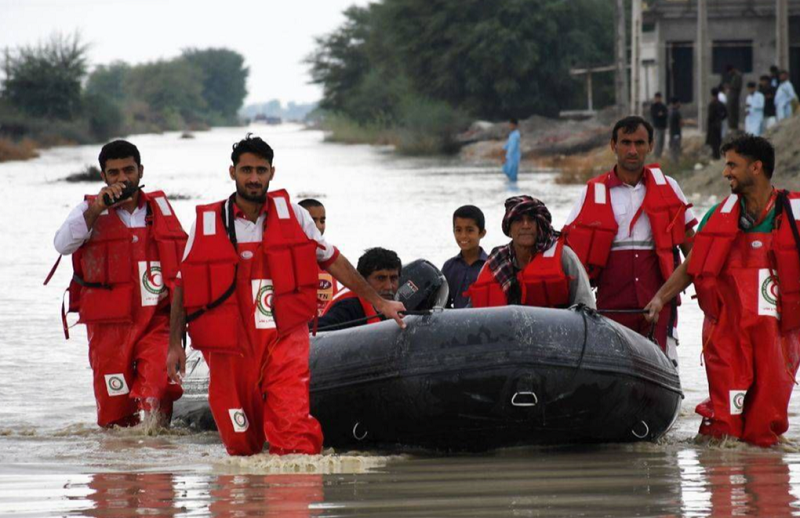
124, 268
748, 285
611, 229
256, 342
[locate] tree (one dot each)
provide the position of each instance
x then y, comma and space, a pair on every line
45, 80
172, 90
224, 79
109, 81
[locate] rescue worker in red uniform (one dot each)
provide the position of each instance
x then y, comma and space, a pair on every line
328, 287
248, 289
627, 228
381, 268
125, 257
535, 268
745, 266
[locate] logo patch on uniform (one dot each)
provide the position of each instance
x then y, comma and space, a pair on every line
756, 244
262, 296
247, 254
151, 283
325, 287
239, 420
767, 294
737, 401
116, 385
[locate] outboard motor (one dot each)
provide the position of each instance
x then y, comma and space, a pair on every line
422, 286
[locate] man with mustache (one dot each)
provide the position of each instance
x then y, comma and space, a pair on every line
248, 289
126, 246
381, 268
745, 266
627, 228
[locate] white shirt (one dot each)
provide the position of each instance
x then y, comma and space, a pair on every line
625, 202
249, 232
74, 232
722, 98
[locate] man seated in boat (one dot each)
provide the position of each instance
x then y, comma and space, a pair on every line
381, 268
536, 268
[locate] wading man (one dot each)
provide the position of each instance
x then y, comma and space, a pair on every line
248, 289
745, 266
627, 228
126, 246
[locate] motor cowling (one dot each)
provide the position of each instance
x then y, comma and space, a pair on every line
422, 286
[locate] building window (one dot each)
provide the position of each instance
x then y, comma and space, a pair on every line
738, 53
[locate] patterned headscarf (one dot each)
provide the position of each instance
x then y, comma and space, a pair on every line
501, 261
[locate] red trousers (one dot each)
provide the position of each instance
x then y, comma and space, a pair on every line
129, 367
263, 395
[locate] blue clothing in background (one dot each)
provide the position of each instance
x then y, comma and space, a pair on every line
513, 155
460, 277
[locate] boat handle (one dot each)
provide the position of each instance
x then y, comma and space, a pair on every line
646, 431
355, 434
520, 403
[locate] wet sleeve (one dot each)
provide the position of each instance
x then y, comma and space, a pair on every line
73, 232
580, 291
326, 253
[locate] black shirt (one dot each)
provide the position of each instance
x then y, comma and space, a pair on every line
658, 114
343, 311
675, 123
769, 100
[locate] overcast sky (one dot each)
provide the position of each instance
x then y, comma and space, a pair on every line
273, 35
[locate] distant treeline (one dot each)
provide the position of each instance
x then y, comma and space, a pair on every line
48, 95
411, 64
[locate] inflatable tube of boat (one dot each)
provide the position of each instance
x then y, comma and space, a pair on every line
477, 379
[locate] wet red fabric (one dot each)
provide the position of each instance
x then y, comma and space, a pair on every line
750, 364
262, 393
128, 360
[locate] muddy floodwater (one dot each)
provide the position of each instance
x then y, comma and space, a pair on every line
54, 461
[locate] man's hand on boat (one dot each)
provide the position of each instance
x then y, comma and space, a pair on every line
653, 308
391, 309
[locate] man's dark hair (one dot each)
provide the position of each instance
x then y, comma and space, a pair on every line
657, 94
513, 120
251, 144
630, 125
773, 69
674, 100
753, 148
715, 92
309, 203
116, 150
377, 258
751, 84
765, 78
471, 212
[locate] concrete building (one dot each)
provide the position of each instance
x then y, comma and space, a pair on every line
741, 32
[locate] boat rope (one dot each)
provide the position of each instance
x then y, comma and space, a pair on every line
364, 320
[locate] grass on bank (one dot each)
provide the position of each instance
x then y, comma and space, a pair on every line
17, 149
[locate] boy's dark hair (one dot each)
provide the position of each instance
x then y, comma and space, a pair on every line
118, 149
657, 94
753, 148
765, 78
251, 144
471, 212
309, 203
631, 124
377, 258
513, 120
715, 92
751, 84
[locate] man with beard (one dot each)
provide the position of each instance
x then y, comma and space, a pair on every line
248, 290
745, 266
125, 245
627, 228
381, 268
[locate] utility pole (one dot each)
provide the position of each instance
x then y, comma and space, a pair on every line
636, 57
782, 34
621, 59
702, 56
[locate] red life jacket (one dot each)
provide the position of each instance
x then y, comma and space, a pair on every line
593, 231
544, 283
106, 270
344, 294
209, 274
711, 250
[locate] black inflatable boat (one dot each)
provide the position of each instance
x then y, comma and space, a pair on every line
477, 379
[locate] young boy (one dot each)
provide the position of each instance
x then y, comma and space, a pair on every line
327, 285
469, 227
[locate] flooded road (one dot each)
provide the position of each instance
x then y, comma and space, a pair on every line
55, 462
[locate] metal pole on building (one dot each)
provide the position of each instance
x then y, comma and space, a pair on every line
621, 60
636, 57
702, 58
782, 34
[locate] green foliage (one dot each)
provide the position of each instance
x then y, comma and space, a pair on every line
108, 81
224, 79
172, 89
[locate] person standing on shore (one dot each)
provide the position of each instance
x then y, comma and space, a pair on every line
733, 78
659, 115
627, 228
716, 115
766, 88
126, 246
744, 266
784, 97
248, 289
675, 130
513, 152
754, 114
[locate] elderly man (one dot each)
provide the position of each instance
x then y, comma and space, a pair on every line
535, 268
